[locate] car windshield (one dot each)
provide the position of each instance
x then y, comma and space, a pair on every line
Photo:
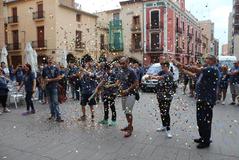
228, 63
154, 70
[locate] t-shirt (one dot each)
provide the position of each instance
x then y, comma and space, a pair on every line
28, 81
224, 78
127, 77
165, 89
234, 79
3, 86
206, 86
88, 84
19, 75
50, 72
110, 78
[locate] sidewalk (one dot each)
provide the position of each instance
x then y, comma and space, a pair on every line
35, 138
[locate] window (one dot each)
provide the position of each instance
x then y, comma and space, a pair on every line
183, 27
116, 16
136, 41
78, 42
102, 41
136, 21
78, 17
154, 41
155, 19
15, 39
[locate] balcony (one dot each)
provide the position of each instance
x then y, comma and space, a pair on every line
116, 24
39, 15
116, 47
14, 47
236, 22
136, 48
190, 35
154, 49
13, 20
179, 30
39, 44
198, 40
179, 50
79, 46
155, 27
104, 47
135, 28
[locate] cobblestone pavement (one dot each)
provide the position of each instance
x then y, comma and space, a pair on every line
35, 138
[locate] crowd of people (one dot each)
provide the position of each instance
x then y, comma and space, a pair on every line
89, 82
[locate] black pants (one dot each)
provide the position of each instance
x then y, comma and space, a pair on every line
204, 120
3, 101
29, 101
109, 101
164, 107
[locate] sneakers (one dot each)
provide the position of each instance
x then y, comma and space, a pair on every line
6, 110
82, 118
26, 113
203, 145
60, 120
233, 103
223, 103
161, 129
103, 122
112, 123
169, 134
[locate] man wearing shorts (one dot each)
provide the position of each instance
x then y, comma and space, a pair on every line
87, 85
128, 84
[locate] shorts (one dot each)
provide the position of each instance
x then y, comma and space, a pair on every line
85, 100
128, 104
234, 89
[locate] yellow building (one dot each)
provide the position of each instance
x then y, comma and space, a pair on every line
51, 26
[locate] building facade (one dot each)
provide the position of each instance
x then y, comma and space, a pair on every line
230, 33
154, 29
171, 30
235, 28
2, 37
225, 50
51, 27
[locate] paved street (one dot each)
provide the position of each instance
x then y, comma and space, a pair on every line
35, 138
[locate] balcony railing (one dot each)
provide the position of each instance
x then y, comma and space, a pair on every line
13, 19
190, 35
79, 45
158, 26
116, 47
236, 22
14, 46
179, 30
154, 49
116, 24
198, 40
39, 44
136, 28
104, 46
38, 15
179, 50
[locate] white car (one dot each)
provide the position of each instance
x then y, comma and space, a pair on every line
154, 70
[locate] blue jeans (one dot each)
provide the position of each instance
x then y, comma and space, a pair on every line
53, 102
